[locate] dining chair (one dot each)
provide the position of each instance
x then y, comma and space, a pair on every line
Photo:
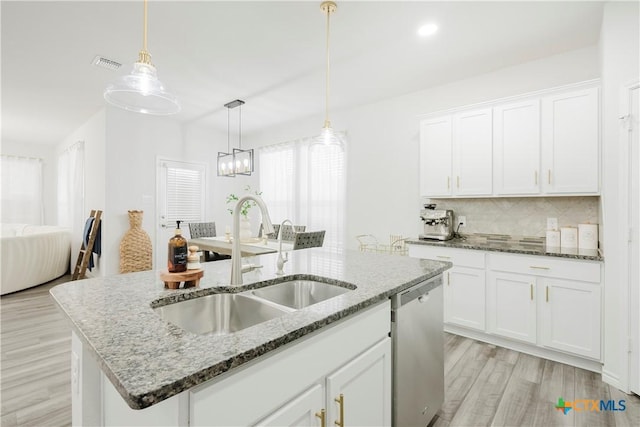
206, 229
289, 233
308, 239
274, 235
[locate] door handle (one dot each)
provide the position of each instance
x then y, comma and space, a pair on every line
323, 417
340, 401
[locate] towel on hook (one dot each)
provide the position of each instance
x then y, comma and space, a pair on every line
97, 245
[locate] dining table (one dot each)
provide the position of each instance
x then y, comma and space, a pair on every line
250, 247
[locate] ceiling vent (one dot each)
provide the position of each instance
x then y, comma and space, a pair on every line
102, 62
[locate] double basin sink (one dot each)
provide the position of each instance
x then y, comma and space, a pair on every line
226, 313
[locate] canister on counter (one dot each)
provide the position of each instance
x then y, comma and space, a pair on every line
588, 236
568, 237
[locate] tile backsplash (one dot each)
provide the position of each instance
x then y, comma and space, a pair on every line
521, 216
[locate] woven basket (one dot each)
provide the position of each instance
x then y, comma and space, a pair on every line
135, 247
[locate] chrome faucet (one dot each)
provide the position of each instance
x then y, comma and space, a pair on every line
282, 260
236, 254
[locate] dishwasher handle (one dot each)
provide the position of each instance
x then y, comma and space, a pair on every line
421, 290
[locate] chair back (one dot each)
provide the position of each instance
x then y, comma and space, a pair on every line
289, 233
202, 229
274, 235
308, 239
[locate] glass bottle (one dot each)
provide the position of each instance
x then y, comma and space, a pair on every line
177, 261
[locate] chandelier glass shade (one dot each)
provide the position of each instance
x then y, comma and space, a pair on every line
141, 91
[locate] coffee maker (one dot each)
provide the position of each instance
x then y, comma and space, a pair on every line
438, 223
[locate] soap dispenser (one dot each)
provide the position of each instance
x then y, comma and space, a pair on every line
177, 261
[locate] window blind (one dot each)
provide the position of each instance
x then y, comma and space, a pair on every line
184, 193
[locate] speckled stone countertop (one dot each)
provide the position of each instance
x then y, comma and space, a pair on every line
149, 360
512, 244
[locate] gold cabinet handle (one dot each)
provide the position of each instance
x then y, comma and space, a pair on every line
536, 177
537, 267
448, 183
448, 278
458, 181
323, 417
547, 296
531, 290
549, 176
340, 401
443, 257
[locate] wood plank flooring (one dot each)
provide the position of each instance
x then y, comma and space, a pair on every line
484, 384
35, 357
487, 385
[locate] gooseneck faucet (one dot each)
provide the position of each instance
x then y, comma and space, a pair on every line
236, 254
281, 260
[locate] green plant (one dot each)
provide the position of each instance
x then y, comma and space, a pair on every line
246, 206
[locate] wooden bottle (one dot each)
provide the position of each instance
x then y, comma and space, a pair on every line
177, 261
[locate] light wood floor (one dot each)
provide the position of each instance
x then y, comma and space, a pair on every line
484, 384
35, 357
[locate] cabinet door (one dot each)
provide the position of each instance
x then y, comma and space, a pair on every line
472, 165
511, 306
516, 136
299, 412
365, 387
435, 157
571, 316
464, 297
570, 142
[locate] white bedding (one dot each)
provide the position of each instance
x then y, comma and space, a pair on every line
32, 255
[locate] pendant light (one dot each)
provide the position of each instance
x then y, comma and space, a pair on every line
327, 135
238, 161
141, 91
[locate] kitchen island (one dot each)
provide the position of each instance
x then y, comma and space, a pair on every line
121, 344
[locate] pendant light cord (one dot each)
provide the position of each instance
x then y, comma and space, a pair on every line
144, 56
240, 129
327, 123
228, 132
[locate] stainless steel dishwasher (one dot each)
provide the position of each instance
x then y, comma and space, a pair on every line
418, 353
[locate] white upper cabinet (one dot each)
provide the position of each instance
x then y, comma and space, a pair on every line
472, 158
436, 148
517, 148
547, 143
570, 141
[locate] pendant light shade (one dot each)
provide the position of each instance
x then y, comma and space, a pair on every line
141, 91
238, 161
327, 135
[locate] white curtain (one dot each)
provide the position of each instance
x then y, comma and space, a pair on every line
306, 183
71, 211
22, 199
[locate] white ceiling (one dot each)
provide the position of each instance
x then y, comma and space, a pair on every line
270, 54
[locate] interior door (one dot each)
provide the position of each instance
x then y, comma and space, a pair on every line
181, 196
634, 237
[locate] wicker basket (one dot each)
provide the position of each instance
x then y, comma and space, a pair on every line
135, 248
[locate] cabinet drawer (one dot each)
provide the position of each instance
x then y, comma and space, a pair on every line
459, 257
585, 271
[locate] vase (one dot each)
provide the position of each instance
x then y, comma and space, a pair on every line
245, 229
135, 247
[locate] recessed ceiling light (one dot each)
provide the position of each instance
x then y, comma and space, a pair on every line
427, 30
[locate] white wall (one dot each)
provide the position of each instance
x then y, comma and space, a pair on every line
92, 132
49, 163
620, 56
383, 147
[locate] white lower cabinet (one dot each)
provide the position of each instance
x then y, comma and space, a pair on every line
464, 297
547, 306
301, 411
570, 316
511, 306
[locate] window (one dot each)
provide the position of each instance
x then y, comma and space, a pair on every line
22, 190
184, 196
71, 188
305, 183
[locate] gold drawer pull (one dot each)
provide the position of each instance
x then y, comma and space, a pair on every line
448, 278
458, 181
448, 183
537, 267
536, 174
547, 297
549, 176
323, 418
340, 401
443, 257
531, 290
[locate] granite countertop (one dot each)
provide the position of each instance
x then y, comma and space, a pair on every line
512, 244
149, 360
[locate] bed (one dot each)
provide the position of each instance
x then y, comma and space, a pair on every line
32, 255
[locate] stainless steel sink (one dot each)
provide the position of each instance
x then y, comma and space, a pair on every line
219, 313
299, 293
